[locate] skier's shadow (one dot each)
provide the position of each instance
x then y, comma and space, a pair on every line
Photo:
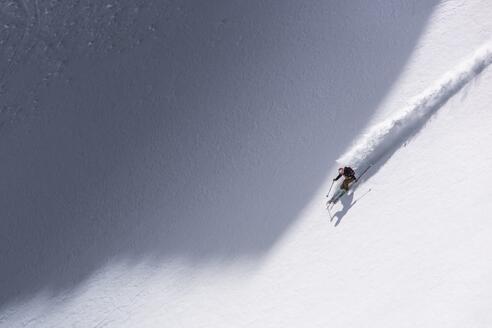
346, 205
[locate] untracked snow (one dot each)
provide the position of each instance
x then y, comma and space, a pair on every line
384, 138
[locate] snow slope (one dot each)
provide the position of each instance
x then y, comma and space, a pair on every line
392, 133
165, 164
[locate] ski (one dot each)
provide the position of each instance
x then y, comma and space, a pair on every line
363, 172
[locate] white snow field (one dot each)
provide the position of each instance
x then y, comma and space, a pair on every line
165, 163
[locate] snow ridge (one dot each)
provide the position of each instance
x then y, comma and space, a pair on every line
387, 136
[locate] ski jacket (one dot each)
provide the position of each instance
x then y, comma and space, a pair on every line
348, 172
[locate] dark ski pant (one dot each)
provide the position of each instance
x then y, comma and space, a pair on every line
346, 182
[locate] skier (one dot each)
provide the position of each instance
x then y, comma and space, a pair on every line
348, 173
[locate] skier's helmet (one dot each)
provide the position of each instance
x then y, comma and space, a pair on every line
340, 170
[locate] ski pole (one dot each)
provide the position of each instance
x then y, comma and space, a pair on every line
363, 172
332, 182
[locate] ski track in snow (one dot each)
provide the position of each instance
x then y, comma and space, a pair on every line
386, 137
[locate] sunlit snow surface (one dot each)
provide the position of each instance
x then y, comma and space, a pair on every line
396, 130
